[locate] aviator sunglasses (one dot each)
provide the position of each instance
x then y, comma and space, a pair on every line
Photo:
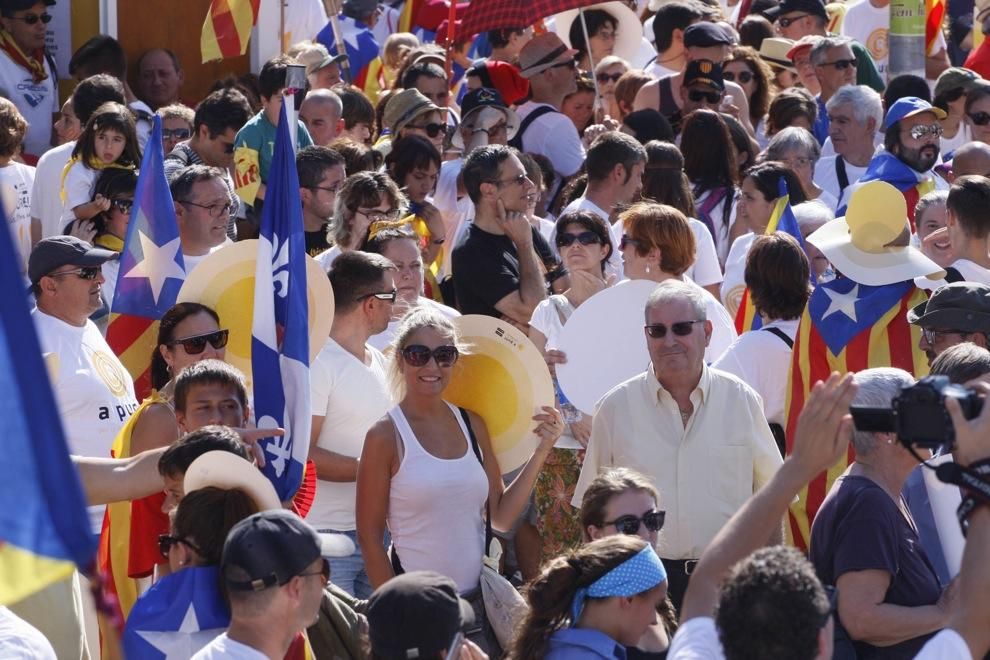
417, 355
196, 345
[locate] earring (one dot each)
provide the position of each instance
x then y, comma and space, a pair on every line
647, 270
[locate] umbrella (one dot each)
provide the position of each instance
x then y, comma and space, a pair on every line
493, 14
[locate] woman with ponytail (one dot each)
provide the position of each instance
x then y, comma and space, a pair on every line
593, 602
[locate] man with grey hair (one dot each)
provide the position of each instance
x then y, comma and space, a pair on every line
679, 418
854, 115
835, 66
321, 113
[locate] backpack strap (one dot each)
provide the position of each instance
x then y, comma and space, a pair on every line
953, 275
516, 140
477, 452
783, 336
705, 208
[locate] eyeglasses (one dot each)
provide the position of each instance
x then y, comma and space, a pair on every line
931, 335
90, 273
382, 295
629, 525
625, 242
165, 543
833, 603
841, 65
176, 134
518, 180
795, 163
584, 238
432, 129
216, 210
605, 78
197, 344
417, 355
607, 35
335, 188
744, 77
324, 571
681, 328
980, 118
787, 22
32, 19
122, 205
921, 131
697, 96
376, 215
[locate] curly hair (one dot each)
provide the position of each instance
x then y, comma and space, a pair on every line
763, 76
772, 605
13, 126
777, 276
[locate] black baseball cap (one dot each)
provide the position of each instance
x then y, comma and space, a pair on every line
957, 306
416, 615
705, 34
272, 547
57, 251
7, 6
813, 7
704, 71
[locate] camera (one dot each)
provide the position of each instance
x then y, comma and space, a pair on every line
918, 415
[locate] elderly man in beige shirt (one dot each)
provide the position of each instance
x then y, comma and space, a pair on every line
698, 433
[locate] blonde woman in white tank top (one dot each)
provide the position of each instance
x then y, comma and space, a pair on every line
419, 474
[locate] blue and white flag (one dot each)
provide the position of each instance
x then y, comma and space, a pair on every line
280, 335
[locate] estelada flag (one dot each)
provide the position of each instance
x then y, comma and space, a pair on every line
846, 327
889, 168
227, 28
362, 50
44, 527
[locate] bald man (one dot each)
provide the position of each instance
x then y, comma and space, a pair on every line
321, 113
971, 158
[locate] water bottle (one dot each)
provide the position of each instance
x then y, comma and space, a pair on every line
567, 409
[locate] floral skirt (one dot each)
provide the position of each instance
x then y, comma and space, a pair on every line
556, 519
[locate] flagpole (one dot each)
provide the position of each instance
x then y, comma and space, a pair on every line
591, 63
295, 81
451, 33
345, 64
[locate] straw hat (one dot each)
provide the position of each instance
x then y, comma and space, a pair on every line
774, 52
859, 244
628, 27
405, 106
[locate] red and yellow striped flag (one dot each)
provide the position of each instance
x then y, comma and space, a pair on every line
934, 14
227, 28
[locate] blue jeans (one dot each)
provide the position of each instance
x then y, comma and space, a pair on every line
348, 572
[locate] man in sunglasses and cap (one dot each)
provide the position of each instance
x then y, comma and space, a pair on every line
27, 71
956, 313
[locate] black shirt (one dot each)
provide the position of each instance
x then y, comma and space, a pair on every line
316, 242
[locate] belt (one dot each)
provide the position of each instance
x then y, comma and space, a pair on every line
684, 566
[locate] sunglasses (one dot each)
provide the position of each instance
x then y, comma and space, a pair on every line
629, 525
584, 238
605, 78
743, 77
931, 335
681, 328
376, 215
165, 543
841, 65
90, 273
122, 205
697, 96
382, 295
518, 180
569, 64
625, 242
417, 355
196, 345
432, 129
32, 19
921, 131
324, 571
980, 118
176, 133
787, 22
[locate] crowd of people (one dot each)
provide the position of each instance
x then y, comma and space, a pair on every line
814, 229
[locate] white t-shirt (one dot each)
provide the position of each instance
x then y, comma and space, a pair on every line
962, 136
762, 360
546, 319
351, 397
723, 328
94, 392
37, 102
658, 70
189, 261
870, 26
384, 339
734, 282
19, 640
327, 257
456, 213
828, 199
705, 269
77, 188
553, 135
16, 182
224, 648
46, 204
826, 178
696, 639
946, 645
303, 20
970, 272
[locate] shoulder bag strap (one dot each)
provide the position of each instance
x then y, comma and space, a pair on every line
840, 174
488, 504
516, 140
783, 336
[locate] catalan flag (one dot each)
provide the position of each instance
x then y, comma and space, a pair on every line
227, 28
934, 15
889, 168
362, 51
782, 219
846, 327
151, 268
44, 528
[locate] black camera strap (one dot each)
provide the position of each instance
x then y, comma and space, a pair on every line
975, 484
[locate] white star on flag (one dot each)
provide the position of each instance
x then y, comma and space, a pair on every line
842, 302
183, 643
158, 263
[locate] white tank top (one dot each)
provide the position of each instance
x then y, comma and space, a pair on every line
436, 508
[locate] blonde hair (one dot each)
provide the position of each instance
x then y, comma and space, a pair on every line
396, 47
416, 319
177, 111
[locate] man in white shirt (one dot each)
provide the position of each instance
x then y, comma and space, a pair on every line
680, 417
855, 113
968, 227
202, 210
349, 386
669, 23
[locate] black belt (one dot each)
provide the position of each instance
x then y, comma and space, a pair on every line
682, 566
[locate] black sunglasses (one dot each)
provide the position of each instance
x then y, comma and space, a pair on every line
165, 543
324, 571
569, 64
625, 242
584, 238
697, 96
417, 355
980, 118
122, 205
382, 295
90, 273
629, 525
681, 328
32, 19
432, 129
604, 78
176, 133
196, 345
743, 77
841, 65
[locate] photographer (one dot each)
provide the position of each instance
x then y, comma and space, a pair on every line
865, 542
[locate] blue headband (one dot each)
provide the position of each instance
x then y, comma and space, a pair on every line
639, 573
